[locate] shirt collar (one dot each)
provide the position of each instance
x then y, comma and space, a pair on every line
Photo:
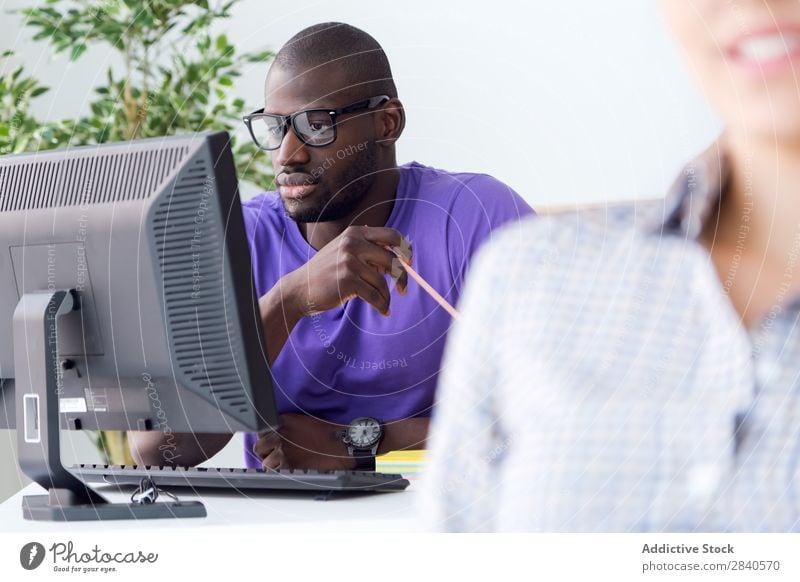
693, 197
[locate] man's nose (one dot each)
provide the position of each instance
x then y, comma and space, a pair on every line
293, 152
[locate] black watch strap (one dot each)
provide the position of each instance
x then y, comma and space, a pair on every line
365, 460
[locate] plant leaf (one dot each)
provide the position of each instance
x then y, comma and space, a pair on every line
77, 51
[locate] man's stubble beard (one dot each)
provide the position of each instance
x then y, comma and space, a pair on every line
349, 191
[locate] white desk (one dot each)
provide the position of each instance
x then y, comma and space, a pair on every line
262, 512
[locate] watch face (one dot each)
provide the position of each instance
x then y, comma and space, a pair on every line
364, 432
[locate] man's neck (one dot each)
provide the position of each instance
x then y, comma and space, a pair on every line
373, 210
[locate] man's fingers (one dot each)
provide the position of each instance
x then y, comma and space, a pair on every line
267, 442
387, 263
269, 449
379, 257
370, 253
373, 278
274, 460
403, 282
389, 237
382, 235
370, 292
400, 276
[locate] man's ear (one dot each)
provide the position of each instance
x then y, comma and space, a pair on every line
391, 120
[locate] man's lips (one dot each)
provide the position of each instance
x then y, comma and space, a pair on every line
295, 185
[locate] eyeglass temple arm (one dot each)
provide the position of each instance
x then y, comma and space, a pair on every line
365, 104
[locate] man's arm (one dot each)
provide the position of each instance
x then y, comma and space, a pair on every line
174, 449
305, 442
411, 433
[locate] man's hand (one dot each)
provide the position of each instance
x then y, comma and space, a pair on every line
303, 442
351, 265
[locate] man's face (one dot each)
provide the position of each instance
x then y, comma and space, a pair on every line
746, 56
320, 184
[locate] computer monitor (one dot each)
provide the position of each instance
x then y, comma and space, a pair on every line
127, 302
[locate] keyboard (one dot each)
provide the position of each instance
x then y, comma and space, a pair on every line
253, 479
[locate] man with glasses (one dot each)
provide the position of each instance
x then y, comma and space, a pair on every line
354, 365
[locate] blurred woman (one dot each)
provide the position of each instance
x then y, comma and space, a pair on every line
638, 369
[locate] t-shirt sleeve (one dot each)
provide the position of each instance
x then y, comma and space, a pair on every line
481, 206
257, 240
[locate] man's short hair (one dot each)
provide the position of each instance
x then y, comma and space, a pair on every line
344, 48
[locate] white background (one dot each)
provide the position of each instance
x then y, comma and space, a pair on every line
567, 102
188, 551
575, 101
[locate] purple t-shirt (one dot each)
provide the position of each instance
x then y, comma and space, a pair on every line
351, 361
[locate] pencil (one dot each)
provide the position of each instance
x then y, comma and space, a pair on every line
426, 286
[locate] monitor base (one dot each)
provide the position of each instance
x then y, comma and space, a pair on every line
36, 364
39, 508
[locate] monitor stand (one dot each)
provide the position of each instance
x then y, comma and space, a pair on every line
38, 386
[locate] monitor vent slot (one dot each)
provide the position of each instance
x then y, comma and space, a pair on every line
198, 303
82, 178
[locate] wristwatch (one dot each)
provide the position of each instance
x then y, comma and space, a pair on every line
362, 437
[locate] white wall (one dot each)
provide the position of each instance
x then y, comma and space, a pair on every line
11, 479
568, 102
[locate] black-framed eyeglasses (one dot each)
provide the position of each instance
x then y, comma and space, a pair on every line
314, 127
